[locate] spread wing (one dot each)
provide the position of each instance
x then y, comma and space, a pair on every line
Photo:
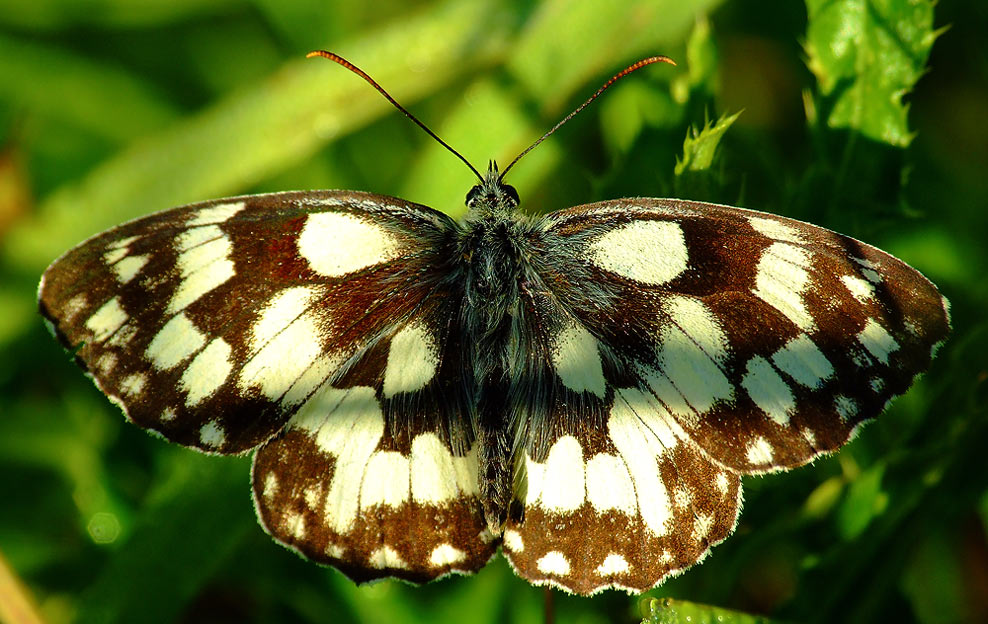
307, 325
677, 346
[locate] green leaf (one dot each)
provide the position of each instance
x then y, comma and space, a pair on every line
866, 55
933, 580
17, 311
865, 500
568, 43
198, 514
66, 94
700, 146
57, 14
669, 611
701, 63
629, 107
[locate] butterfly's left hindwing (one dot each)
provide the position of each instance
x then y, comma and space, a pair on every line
377, 474
612, 493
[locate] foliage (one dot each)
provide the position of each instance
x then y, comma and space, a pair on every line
669, 611
866, 56
111, 109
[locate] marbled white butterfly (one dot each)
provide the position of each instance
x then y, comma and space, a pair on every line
582, 389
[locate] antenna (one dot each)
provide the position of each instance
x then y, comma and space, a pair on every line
339, 60
618, 76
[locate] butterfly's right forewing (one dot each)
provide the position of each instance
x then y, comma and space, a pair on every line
768, 340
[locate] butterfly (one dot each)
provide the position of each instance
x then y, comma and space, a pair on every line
582, 390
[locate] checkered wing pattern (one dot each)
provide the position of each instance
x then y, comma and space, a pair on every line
593, 414
677, 346
310, 325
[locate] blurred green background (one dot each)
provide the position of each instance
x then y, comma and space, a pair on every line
864, 116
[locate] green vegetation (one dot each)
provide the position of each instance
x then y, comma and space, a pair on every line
864, 116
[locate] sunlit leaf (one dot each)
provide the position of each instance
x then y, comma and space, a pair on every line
259, 131
700, 146
867, 55
567, 43
669, 611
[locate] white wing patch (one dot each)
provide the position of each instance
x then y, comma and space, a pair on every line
178, 340
412, 360
133, 385
776, 230
386, 557
348, 425
642, 432
847, 408
436, 476
203, 264
127, 268
783, 275
513, 541
555, 563
860, 289
609, 486
613, 564
385, 480
285, 341
768, 390
216, 214
646, 251
558, 484
106, 320
759, 451
336, 244
74, 306
207, 371
802, 360
576, 359
445, 554
877, 341
692, 348
211, 434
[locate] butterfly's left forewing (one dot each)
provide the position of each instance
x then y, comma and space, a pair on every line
679, 346
212, 323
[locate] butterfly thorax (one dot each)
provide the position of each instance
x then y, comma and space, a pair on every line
491, 248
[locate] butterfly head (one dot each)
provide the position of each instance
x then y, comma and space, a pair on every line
492, 195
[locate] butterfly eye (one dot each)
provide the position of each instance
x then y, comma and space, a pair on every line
474, 195
493, 195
